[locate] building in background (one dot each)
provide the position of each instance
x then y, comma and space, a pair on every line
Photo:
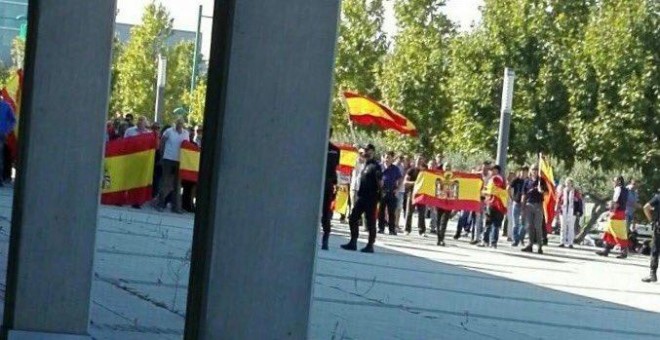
13, 14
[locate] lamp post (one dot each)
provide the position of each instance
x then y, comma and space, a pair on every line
198, 43
160, 89
505, 118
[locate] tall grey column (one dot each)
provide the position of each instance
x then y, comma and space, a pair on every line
56, 198
262, 167
505, 118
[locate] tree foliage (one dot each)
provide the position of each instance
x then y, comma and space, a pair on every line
414, 77
135, 89
361, 46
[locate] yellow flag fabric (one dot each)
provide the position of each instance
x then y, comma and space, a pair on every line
448, 190
341, 200
189, 161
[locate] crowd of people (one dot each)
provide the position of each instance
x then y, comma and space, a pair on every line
168, 188
382, 192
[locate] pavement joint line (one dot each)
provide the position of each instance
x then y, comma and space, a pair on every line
379, 304
493, 296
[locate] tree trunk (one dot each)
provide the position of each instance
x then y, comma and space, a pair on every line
599, 208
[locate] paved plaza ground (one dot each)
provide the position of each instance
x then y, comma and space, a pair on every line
409, 289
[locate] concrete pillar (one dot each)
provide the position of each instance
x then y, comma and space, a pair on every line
51, 250
264, 151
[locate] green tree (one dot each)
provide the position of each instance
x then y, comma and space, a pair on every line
414, 75
136, 66
361, 46
179, 73
17, 53
196, 103
616, 87
114, 104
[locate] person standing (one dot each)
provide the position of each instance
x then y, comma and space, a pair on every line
371, 182
617, 236
392, 179
652, 212
139, 129
170, 181
516, 188
411, 177
532, 200
631, 204
329, 191
569, 209
495, 205
478, 235
400, 191
7, 123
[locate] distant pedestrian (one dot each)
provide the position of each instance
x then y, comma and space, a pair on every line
652, 212
170, 182
392, 179
329, 191
371, 182
7, 123
411, 177
616, 234
569, 210
516, 191
532, 200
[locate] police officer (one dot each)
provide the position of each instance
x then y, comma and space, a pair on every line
371, 182
329, 190
652, 212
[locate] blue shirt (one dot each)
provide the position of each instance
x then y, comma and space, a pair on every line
390, 176
7, 119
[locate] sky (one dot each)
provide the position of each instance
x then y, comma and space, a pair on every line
184, 12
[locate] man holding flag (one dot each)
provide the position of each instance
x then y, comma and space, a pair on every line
496, 205
533, 211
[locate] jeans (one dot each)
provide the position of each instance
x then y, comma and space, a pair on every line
170, 184
478, 231
387, 202
518, 229
493, 225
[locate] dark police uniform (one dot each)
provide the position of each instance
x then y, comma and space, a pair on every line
655, 242
367, 199
329, 191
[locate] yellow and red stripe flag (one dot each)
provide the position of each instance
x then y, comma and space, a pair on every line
340, 204
128, 170
366, 111
549, 197
189, 162
499, 197
617, 232
448, 190
348, 156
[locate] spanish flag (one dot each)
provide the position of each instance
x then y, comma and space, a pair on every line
366, 111
348, 156
340, 204
617, 232
499, 197
128, 170
550, 197
189, 162
448, 190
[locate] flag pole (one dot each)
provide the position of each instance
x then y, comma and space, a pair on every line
348, 117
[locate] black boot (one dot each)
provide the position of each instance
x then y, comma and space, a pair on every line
651, 278
324, 242
369, 248
351, 245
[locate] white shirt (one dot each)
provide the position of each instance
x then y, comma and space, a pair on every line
134, 131
173, 140
568, 202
